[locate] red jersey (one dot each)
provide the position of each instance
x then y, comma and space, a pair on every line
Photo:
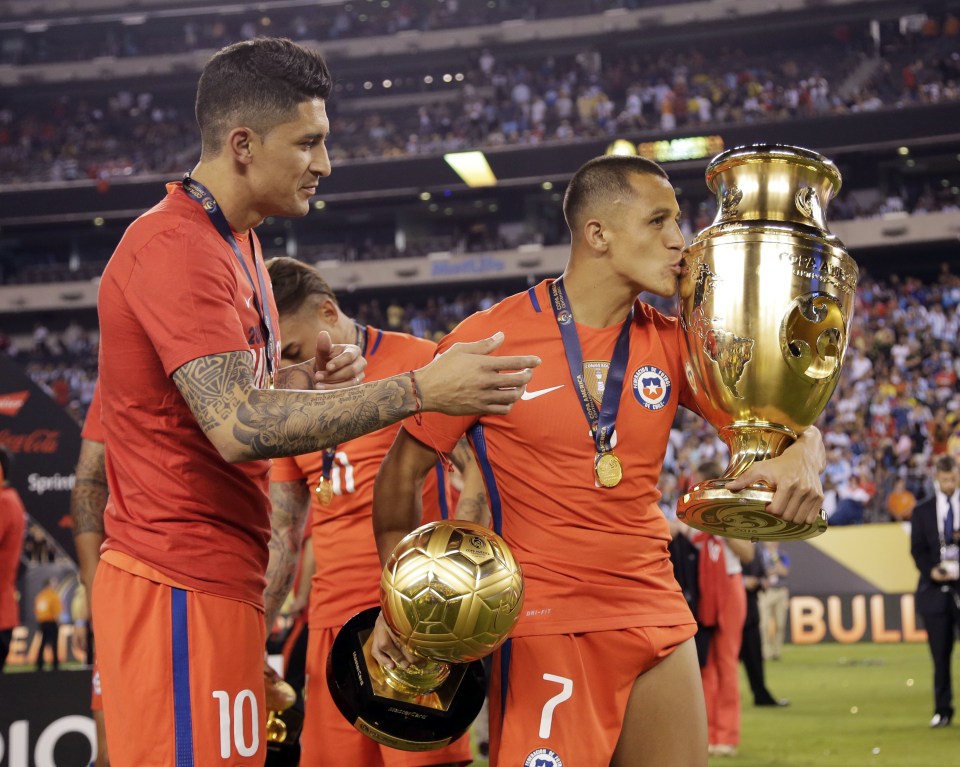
593, 558
13, 517
347, 577
174, 292
92, 429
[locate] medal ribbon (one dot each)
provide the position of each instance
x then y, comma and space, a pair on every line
201, 195
603, 423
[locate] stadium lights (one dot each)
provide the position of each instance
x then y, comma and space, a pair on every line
472, 167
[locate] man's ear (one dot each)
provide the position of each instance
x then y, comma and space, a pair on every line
239, 144
595, 234
329, 311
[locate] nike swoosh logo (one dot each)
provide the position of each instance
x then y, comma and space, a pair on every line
539, 392
248, 300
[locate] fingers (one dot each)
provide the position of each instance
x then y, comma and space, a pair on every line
386, 649
344, 366
484, 346
797, 497
515, 363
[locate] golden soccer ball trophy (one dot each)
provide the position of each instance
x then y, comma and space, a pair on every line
765, 309
451, 591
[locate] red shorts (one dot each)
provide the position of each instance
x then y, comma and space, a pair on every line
329, 740
561, 699
96, 697
181, 671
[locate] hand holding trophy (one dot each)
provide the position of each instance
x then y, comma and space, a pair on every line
451, 592
765, 309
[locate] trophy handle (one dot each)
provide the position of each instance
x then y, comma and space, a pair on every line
710, 507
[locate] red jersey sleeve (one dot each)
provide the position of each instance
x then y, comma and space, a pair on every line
198, 316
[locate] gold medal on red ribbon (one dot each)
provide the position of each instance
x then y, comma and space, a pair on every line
325, 491
609, 469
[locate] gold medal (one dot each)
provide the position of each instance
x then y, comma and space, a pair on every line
609, 469
325, 491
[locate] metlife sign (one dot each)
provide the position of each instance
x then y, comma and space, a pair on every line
39, 721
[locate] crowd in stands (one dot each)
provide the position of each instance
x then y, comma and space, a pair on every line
212, 29
895, 409
540, 99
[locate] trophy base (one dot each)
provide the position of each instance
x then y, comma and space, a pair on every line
403, 721
713, 509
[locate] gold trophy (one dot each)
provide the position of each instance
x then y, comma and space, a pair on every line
451, 591
765, 309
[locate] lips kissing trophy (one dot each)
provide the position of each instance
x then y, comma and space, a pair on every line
765, 308
451, 592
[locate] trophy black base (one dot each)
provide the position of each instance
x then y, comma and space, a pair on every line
409, 723
713, 509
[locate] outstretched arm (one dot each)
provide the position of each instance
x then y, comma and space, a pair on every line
291, 506
246, 423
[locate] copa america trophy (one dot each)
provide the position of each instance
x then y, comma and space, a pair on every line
451, 592
765, 309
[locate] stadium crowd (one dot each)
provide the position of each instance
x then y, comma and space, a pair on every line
518, 102
895, 410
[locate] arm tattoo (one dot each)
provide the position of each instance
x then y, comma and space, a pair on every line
474, 509
274, 424
291, 504
213, 386
461, 454
89, 496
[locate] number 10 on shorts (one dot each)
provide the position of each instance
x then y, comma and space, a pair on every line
232, 728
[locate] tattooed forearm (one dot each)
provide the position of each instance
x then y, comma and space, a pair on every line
462, 455
291, 504
246, 423
213, 386
89, 496
87, 502
273, 424
474, 508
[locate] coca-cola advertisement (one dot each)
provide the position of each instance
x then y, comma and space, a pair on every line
44, 441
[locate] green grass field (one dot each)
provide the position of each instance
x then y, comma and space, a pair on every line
862, 705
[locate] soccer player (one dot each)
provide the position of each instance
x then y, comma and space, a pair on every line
189, 348
601, 668
88, 499
13, 522
336, 485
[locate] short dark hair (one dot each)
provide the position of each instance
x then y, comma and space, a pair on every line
258, 83
602, 178
946, 463
294, 282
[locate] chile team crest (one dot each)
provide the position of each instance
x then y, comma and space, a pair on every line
651, 387
543, 757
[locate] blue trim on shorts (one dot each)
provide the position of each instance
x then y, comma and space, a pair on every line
533, 299
442, 490
182, 715
493, 494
